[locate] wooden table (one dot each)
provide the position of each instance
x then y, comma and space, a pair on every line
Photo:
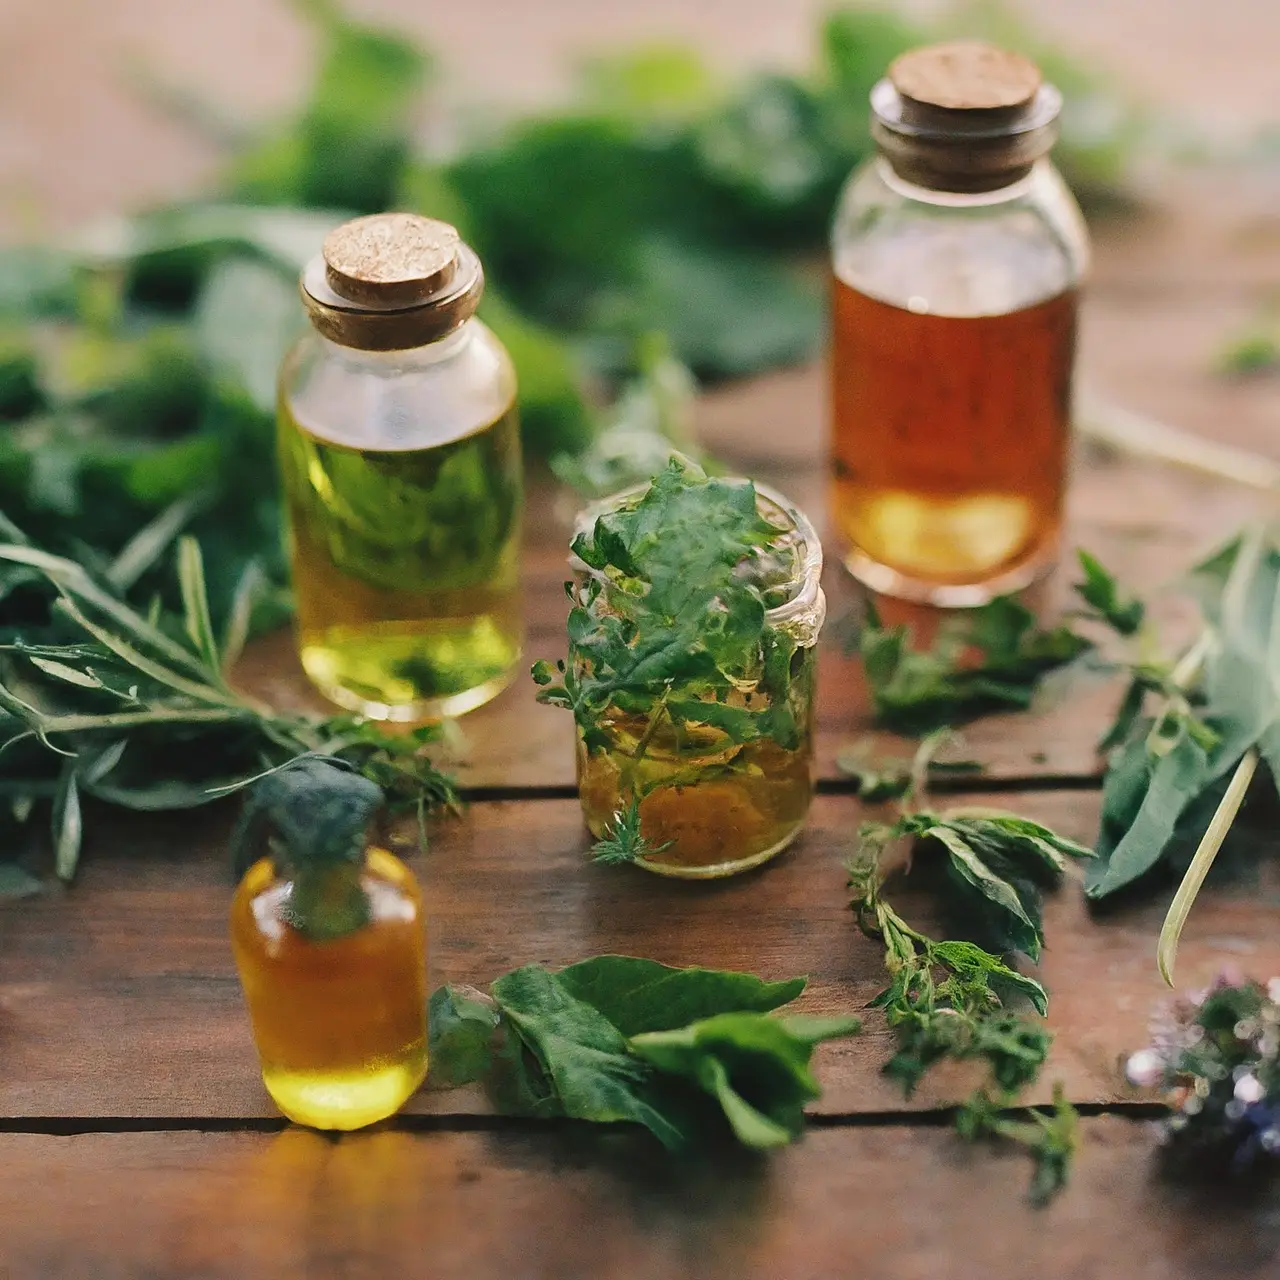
135, 1136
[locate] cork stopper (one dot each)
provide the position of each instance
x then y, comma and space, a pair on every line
964, 116
390, 259
391, 281
965, 75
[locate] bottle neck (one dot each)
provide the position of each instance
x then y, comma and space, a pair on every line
390, 363
327, 902
1014, 190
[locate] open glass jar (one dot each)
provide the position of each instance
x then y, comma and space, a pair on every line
714, 758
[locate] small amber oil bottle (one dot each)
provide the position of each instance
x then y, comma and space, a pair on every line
328, 938
400, 456
957, 253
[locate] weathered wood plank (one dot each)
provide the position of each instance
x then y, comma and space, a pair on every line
119, 998
879, 1203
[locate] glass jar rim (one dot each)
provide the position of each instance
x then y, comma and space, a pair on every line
804, 601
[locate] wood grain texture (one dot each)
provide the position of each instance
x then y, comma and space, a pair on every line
876, 1203
119, 998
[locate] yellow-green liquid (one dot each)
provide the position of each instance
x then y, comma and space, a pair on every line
340, 1025
405, 568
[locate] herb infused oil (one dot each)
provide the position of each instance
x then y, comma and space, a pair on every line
400, 455
957, 256
951, 434
405, 567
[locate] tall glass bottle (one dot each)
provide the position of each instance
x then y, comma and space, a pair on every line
400, 454
957, 255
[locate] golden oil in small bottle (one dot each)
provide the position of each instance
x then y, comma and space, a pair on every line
328, 937
400, 454
957, 254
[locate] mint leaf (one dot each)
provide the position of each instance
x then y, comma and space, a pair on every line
1101, 592
754, 1065
462, 1027
640, 996
583, 1054
990, 659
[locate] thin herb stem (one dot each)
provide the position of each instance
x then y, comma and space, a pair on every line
1210, 843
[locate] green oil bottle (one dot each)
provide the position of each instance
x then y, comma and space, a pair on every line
400, 455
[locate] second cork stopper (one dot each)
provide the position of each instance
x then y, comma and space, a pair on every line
391, 259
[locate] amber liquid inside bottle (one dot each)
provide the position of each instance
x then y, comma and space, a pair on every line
406, 568
340, 1025
708, 807
950, 444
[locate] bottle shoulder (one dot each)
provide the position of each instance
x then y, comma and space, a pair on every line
961, 255
395, 400
259, 907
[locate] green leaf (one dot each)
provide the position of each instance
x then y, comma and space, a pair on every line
918, 692
17, 883
1171, 782
754, 1065
975, 871
195, 602
1101, 591
583, 1054
462, 1027
68, 826
640, 996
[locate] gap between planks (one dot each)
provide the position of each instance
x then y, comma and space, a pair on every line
966, 784
933, 1118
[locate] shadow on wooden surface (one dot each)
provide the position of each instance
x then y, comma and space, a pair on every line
875, 1203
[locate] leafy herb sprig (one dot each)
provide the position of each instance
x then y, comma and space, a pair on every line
949, 999
670, 623
97, 699
988, 659
1192, 731
687, 1053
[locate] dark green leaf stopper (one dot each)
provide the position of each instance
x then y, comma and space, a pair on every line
313, 814
316, 813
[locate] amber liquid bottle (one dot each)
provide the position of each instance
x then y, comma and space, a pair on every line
951, 443
956, 268
327, 933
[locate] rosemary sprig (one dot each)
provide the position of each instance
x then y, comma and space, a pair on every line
98, 700
623, 842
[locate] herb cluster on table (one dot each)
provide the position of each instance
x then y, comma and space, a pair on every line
690, 1054
667, 629
662, 212
1215, 1055
1192, 730
134, 708
958, 999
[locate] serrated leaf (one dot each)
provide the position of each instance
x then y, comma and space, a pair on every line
972, 868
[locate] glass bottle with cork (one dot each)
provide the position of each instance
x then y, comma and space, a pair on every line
400, 453
958, 253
